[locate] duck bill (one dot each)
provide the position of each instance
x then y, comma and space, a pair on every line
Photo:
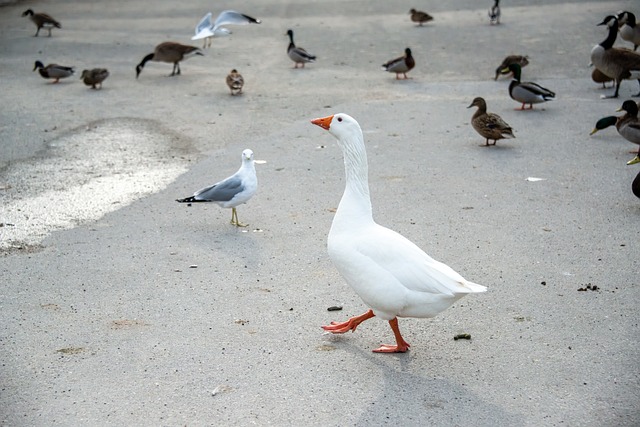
324, 122
593, 131
635, 160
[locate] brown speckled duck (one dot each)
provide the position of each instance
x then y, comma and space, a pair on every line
401, 65
420, 17
53, 71
489, 125
235, 81
523, 61
94, 77
42, 20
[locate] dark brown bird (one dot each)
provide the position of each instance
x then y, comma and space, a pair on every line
235, 81
489, 125
171, 52
401, 65
42, 20
420, 17
94, 77
599, 77
511, 59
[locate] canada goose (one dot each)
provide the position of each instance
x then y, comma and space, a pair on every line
511, 59
420, 17
94, 77
494, 13
42, 20
297, 54
629, 125
235, 81
620, 64
527, 92
207, 30
171, 52
489, 125
53, 71
629, 28
600, 77
401, 65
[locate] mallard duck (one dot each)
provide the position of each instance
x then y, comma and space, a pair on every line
235, 81
42, 20
629, 125
94, 77
297, 54
207, 30
620, 64
392, 275
635, 185
171, 52
503, 68
54, 71
420, 17
629, 28
604, 123
527, 92
600, 77
401, 65
494, 13
489, 125
232, 191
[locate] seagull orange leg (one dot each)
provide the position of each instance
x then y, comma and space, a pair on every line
401, 347
349, 325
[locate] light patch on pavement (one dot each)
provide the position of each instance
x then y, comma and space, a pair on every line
86, 174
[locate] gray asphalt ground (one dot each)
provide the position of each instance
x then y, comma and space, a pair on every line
126, 308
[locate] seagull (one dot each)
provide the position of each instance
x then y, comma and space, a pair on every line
232, 191
392, 275
206, 30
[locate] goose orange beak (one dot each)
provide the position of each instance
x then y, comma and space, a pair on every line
324, 122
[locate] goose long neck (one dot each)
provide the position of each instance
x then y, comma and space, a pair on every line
611, 38
356, 199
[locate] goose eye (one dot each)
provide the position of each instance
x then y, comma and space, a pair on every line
339, 119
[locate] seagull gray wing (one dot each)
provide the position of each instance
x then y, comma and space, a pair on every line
228, 17
203, 29
222, 191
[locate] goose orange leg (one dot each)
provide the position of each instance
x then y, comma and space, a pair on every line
349, 325
401, 345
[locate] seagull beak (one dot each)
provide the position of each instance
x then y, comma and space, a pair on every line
635, 160
324, 122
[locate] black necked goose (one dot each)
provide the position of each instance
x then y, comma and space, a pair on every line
42, 20
170, 52
620, 64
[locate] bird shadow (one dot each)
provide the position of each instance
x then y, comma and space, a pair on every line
411, 395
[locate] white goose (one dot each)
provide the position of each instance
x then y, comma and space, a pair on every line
393, 276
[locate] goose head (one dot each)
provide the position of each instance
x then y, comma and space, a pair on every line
342, 126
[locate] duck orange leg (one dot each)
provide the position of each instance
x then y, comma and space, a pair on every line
401, 345
349, 325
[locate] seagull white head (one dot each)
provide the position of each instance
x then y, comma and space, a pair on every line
339, 125
247, 155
